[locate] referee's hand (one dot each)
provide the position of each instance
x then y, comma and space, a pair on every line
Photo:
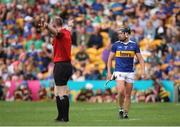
42, 23
70, 22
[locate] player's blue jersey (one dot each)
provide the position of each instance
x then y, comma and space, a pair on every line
124, 55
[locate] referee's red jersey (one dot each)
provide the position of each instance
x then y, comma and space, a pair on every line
62, 46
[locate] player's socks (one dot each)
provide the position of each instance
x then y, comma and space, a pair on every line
59, 108
126, 115
121, 111
66, 108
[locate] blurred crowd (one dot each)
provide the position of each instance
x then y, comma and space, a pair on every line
156, 93
26, 50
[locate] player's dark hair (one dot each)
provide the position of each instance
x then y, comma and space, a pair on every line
125, 30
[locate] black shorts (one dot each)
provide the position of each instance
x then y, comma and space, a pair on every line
62, 72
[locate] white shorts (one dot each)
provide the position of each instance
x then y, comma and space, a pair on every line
126, 76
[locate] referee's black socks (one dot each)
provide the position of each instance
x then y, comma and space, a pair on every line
63, 108
59, 105
66, 108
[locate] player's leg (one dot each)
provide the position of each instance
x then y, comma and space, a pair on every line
127, 100
128, 89
120, 90
120, 97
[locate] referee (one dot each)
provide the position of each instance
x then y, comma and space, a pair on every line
62, 64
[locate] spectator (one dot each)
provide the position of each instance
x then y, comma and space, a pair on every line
95, 39
97, 6
22, 93
98, 97
78, 76
117, 7
108, 96
51, 93
142, 20
150, 95
94, 74
18, 95
43, 94
105, 53
82, 57
140, 95
149, 31
160, 31
154, 59
1, 89
174, 44
164, 95
26, 94
169, 55
82, 96
82, 35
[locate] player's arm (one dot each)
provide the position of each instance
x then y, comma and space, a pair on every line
109, 65
141, 61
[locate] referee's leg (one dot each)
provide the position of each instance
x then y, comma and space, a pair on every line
62, 101
62, 73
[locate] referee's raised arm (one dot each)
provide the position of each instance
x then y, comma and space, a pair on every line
52, 29
56, 25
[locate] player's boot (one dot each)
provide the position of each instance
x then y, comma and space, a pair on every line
121, 112
125, 115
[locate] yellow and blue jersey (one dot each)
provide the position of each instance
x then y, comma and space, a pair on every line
124, 55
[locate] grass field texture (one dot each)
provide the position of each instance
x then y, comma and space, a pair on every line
88, 114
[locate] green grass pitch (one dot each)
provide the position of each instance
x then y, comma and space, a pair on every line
88, 114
